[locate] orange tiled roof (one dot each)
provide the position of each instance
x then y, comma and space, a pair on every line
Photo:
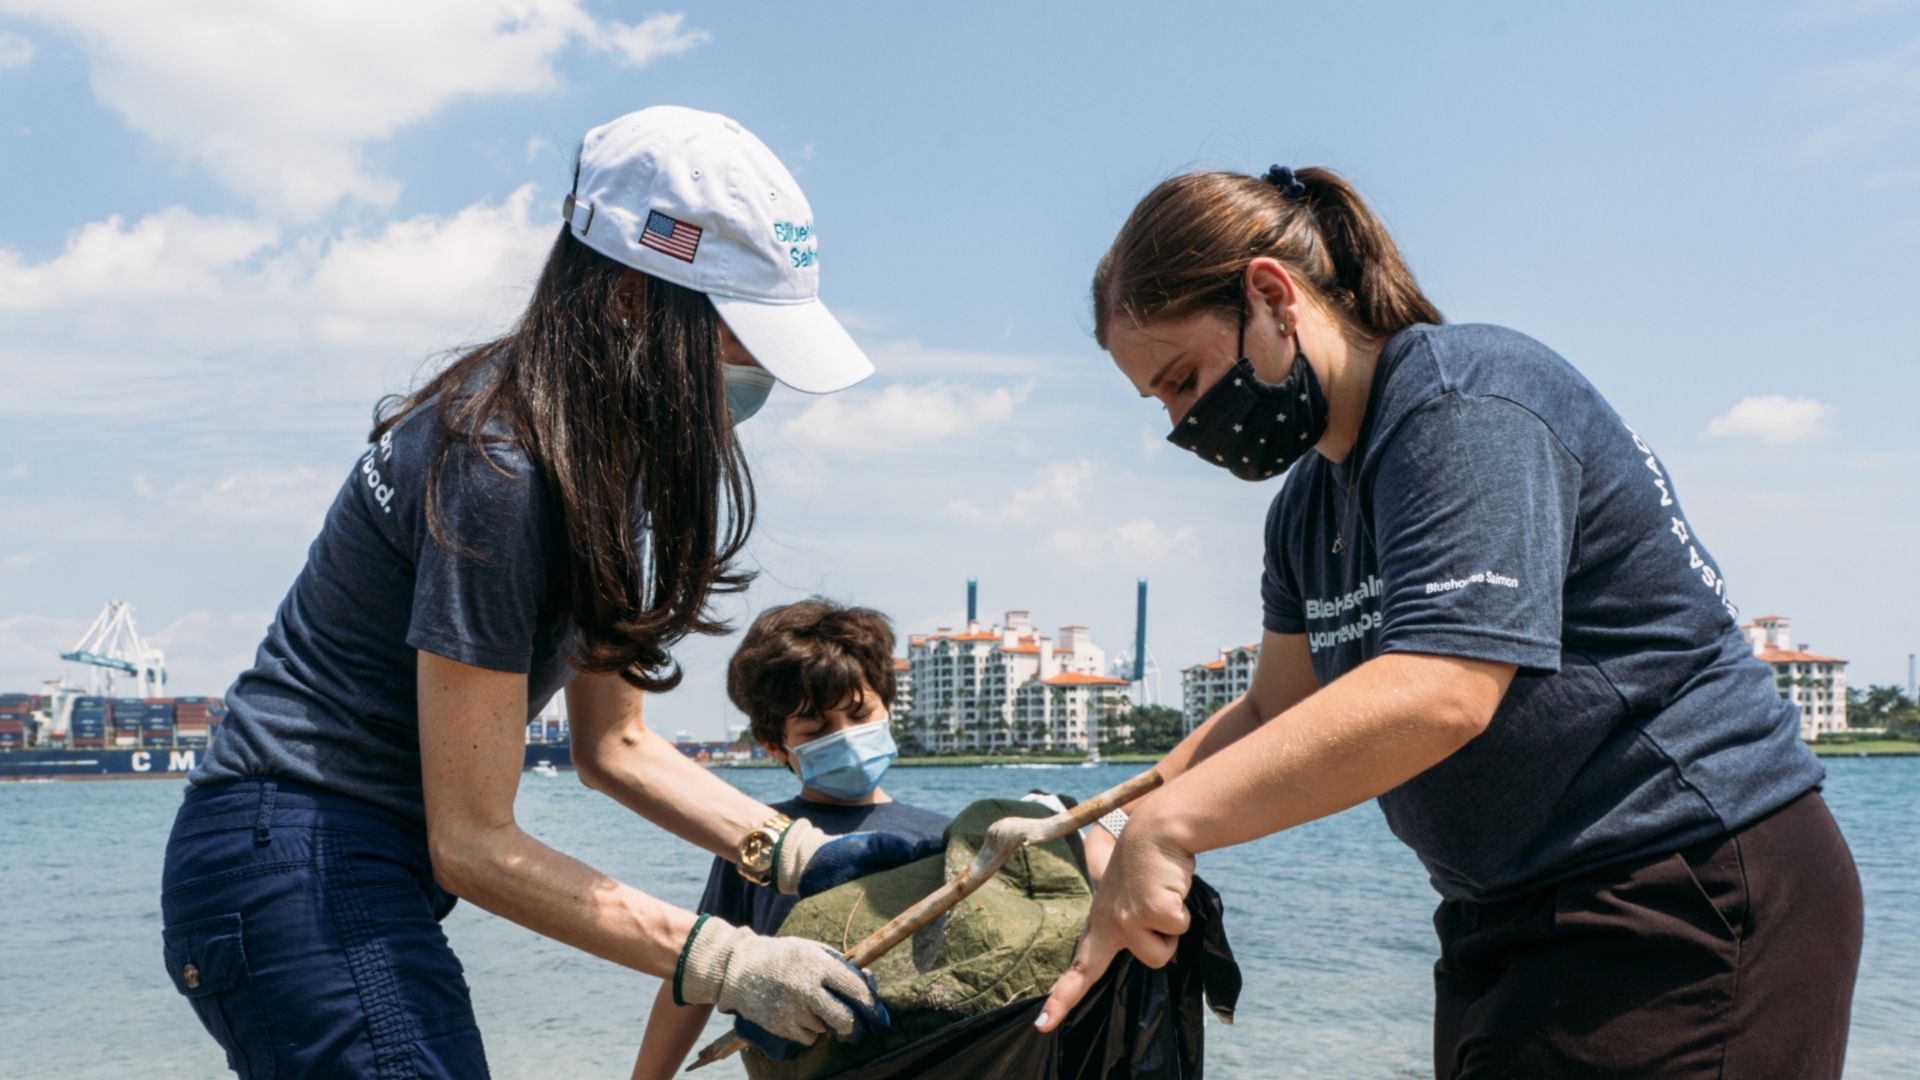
902, 665
1079, 678
1028, 650
1792, 656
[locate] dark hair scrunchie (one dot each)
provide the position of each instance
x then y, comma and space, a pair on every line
1291, 186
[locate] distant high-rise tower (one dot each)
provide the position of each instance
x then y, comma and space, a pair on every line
1140, 634
973, 601
1135, 664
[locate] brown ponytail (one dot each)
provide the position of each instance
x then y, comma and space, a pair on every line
1186, 246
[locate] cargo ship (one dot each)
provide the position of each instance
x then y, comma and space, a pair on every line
66, 735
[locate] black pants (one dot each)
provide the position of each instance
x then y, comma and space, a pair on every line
1733, 958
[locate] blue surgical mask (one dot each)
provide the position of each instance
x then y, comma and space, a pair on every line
849, 763
747, 390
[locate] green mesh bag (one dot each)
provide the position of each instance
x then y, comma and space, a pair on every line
1009, 940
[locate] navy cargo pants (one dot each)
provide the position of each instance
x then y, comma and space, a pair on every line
304, 928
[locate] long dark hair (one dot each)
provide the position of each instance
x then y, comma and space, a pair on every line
1186, 246
615, 395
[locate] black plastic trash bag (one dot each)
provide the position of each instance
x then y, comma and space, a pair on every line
1135, 1022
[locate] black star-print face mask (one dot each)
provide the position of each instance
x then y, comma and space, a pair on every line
1251, 428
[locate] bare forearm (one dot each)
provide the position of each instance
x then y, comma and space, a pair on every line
1233, 722
516, 877
672, 1030
1384, 723
644, 773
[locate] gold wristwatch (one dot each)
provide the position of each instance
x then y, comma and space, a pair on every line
756, 849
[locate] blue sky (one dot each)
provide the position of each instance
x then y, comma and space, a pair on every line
223, 240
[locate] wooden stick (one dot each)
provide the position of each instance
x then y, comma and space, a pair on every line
1005, 837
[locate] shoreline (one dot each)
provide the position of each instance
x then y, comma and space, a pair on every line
983, 760
1867, 748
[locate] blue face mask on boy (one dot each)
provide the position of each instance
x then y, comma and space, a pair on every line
849, 763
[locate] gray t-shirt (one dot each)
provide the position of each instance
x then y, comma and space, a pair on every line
330, 699
1501, 510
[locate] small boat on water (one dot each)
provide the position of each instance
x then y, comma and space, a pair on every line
543, 767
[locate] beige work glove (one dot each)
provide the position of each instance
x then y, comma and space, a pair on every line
792, 988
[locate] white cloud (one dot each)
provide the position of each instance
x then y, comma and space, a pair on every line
537, 146
900, 417
30, 648
1774, 419
20, 560
15, 51
206, 649
279, 101
19, 470
1135, 542
178, 310
1061, 485
299, 496
652, 38
1876, 99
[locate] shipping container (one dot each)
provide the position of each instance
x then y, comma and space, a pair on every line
152, 741
121, 739
92, 742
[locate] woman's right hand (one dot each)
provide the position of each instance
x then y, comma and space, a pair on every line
785, 990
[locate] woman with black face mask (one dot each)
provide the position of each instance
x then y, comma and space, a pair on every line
1485, 607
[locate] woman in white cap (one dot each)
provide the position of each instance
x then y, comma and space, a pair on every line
1484, 606
554, 510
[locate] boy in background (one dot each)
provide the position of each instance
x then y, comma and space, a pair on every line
816, 681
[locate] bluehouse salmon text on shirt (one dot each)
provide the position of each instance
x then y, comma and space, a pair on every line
1495, 507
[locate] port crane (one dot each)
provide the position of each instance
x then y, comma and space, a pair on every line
112, 648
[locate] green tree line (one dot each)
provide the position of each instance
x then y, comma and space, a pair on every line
1886, 707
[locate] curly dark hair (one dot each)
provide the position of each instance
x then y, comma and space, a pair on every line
807, 658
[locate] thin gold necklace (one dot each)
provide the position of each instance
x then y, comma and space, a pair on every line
1352, 463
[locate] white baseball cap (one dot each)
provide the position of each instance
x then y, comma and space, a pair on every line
693, 198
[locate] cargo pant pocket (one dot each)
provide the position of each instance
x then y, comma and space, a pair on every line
207, 960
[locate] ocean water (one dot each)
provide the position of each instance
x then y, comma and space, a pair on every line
1330, 923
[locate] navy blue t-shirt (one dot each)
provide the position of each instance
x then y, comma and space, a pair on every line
742, 903
331, 697
1499, 509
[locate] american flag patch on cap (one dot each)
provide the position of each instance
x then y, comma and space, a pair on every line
670, 236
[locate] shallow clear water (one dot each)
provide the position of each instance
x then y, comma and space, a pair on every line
1330, 923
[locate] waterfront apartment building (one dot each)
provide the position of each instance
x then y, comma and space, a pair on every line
989, 689
902, 688
1207, 687
1816, 684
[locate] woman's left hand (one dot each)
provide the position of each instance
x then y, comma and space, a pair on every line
1141, 906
